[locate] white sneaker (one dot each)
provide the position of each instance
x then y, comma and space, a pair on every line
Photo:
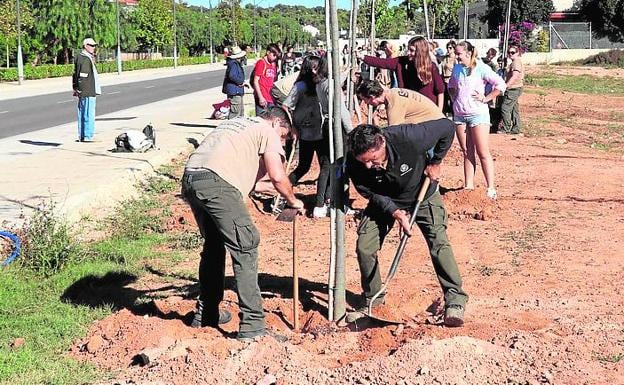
491, 193
320, 212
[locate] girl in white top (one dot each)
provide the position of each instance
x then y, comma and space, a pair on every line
471, 114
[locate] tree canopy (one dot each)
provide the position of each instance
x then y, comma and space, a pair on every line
535, 11
606, 16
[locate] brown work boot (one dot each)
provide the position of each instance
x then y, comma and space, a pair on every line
454, 316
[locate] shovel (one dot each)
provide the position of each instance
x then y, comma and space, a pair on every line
289, 214
397, 257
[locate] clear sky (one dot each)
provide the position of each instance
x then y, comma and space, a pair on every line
345, 4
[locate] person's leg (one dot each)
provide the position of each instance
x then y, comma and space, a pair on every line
212, 262
89, 117
431, 218
322, 184
371, 233
236, 106
481, 139
463, 138
515, 113
306, 151
509, 100
81, 117
224, 204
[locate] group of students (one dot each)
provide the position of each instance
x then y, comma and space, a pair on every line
388, 166
464, 86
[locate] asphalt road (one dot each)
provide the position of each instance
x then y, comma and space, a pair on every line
23, 115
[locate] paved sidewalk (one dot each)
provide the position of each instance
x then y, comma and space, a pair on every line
87, 178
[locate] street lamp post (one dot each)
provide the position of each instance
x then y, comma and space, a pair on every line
20, 63
175, 39
118, 41
210, 31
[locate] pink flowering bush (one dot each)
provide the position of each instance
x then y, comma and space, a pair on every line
523, 34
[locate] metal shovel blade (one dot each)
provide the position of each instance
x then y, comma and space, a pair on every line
288, 214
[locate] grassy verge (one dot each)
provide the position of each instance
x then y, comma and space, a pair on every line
39, 319
584, 84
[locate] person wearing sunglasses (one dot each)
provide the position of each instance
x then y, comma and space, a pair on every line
510, 110
86, 86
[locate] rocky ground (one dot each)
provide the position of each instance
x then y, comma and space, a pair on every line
542, 265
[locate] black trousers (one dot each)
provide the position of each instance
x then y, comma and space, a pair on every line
306, 152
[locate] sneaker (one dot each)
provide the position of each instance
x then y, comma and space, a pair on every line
249, 337
454, 316
491, 193
201, 319
320, 212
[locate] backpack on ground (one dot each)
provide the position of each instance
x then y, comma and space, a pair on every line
136, 141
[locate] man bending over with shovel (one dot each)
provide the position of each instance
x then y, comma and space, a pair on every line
388, 167
221, 171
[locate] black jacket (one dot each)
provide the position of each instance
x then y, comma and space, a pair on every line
83, 79
397, 186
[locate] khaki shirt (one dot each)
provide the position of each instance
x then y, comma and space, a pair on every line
234, 151
407, 106
516, 65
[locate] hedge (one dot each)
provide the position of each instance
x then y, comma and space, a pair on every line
54, 71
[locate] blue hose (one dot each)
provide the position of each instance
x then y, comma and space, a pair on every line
17, 246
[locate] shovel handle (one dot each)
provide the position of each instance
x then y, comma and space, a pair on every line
295, 277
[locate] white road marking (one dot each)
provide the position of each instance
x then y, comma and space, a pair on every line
3, 112
114, 92
65, 101
150, 86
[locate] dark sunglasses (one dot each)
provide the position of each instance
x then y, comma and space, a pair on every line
92, 45
512, 52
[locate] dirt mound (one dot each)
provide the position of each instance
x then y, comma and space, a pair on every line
475, 204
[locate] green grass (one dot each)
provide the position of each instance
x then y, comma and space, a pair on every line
30, 308
31, 304
585, 84
609, 358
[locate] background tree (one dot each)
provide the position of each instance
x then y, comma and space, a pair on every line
536, 11
8, 28
61, 25
153, 22
606, 16
443, 20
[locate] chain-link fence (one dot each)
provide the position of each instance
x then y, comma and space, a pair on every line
576, 35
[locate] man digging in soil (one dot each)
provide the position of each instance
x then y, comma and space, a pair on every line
217, 176
387, 167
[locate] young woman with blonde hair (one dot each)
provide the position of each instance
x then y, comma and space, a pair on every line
470, 112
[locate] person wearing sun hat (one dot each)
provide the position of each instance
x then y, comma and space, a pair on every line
86, 86
233, 82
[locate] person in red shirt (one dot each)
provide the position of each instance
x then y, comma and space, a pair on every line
264, 75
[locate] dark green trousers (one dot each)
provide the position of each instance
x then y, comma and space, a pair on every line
225, 223
510, 111
432, 222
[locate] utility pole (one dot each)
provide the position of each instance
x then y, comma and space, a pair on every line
210, 31
20, 63
175, 39
233, 23
118, 41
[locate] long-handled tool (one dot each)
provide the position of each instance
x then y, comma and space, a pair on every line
397, 257
275, 206
289, 214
